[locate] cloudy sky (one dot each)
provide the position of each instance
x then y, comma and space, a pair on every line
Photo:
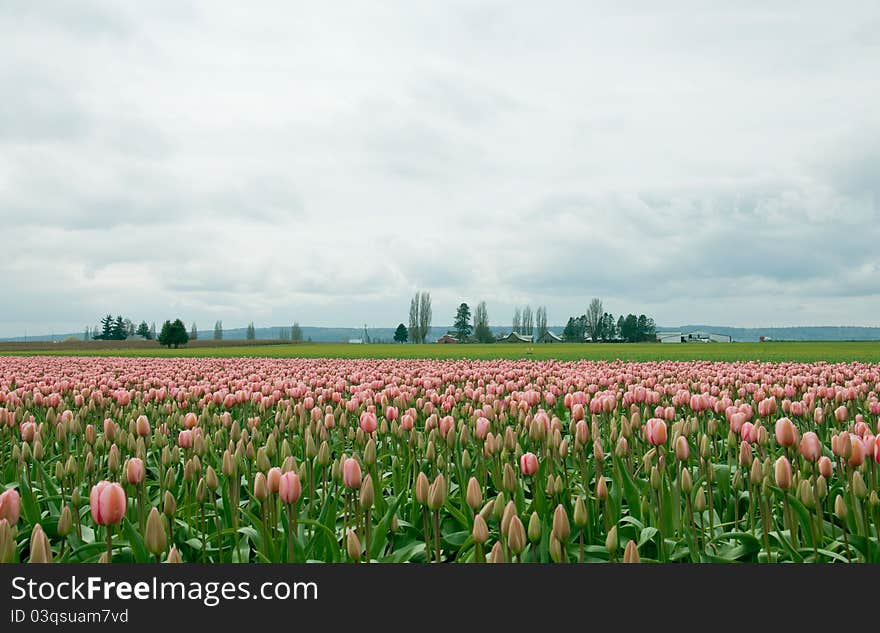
321, 162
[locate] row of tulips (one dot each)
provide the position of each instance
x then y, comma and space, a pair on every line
263, 460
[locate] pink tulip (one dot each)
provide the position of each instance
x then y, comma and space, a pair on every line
786, 432
190, 420
142, 425
273, 479
134, 471
655, 431
368, 422
351, 473
10, 506
810, 447
107, 503
826, 466
185, 439
841, 414
528, 464
749, 433
289, 487
482, 428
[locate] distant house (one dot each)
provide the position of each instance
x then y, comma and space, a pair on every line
355, 341
447, 339
549, 337
514, 337
693, 337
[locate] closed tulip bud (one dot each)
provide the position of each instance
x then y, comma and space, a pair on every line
601, 489
481, 530
598, 453
821, 487
840, 509
174, 556
858, 485
353, 545
631, 553
783, 473
351, 473
65, 522
559, 486
756, 475
7, 543
113, 459
580, 513
437, 493
508, 478
611, 543
76, 498
705, 453
10, 506
41, 552
474, 496
826, 466
700, 500
421, 488
498, 506
507, 515
516, 535
228, 465
555, 549
289, 488
874, 500
261, 488
622, 447
262, 462
682, 449
655, 478
169, 506
687, 482
211, 479
561, 527
534, 528
107, 502
497, 554
366, 497
201, 490
805, 494
155, 538
324, 454
370, 453
745, 454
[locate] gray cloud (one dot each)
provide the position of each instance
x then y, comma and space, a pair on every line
697, 163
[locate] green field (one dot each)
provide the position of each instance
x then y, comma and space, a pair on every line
864, 351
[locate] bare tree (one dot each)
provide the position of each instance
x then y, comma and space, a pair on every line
218, 331
425, 315
482, 332
414, 319
528, 322
594, 318
541, 321
517, 320
296, 333
193, 332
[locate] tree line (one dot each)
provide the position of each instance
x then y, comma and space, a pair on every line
597, 325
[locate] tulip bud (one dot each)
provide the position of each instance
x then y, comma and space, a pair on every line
580, 513
366, 497
561, 526
370, 453
601, 489
173, 556
840, 508
745, 454
687, 482
508, 478
261, 489
169, 505
422, 488
211, 479
534, 528
516, 535
555, 549
65, 522
7, 542
611, 543
155, 538
655, 478
41, 552
481, 530
783, 473
700, 500
631, 553
353, 545
437, 493
805, 494
474, 495
497, 555
858, 485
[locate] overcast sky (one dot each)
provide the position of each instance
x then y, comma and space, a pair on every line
300, 161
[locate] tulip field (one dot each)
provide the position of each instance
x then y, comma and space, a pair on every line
219, 460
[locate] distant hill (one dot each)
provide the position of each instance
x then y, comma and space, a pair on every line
341, 334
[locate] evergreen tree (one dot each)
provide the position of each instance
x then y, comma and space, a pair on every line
462, 323
118, 331
173, 334
106, 328
143, 330
401, 334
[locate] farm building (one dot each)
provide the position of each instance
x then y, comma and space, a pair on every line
447, 339
549, 337
514, 337
692, 337
355, 341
